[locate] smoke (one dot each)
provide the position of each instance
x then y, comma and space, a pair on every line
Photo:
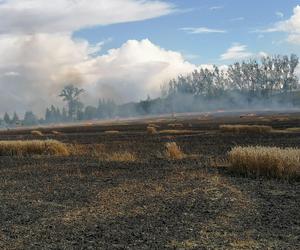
39, 54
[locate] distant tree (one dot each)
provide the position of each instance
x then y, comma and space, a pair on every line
71, 95
6, 118
15, 120
30, 119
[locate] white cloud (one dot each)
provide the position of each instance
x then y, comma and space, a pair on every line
219, 7
35, 16
279, 14
240, 52
202, 30
236, 52
290, 26
44, 63
236, 19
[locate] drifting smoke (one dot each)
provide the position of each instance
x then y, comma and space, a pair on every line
39, 56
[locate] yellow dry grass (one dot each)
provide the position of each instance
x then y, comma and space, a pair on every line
245, 128
151, 130
176, 131
35, 147
175, 125
57, 133
112, 132
268, 161
296, 130
153, 125
173, 151
36, 133
121, 157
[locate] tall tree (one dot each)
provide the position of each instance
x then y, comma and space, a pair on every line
71, 94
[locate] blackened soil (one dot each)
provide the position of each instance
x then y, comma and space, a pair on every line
84, 202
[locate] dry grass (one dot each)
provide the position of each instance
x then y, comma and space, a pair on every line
35, 147
112, 132
245, 128
36, 133
151, 130
175, 125
153, 125
297, 130
57, 133
268, 161
174, 131
120, 157
173, 151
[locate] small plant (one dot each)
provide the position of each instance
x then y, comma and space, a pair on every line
245, 129
112, 132
36, 133
57, 133
35, 147
151, 130
268, 161
176, 125
295, 130
173, 151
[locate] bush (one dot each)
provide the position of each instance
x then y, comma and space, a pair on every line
245, 129
173, 151
36, 133
35, 147
151, 130
268, 161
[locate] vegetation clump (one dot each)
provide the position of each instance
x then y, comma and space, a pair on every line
36, 133
173, 151
267, 161
245, 128
151, 130
35, 147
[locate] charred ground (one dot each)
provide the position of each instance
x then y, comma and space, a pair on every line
85, 202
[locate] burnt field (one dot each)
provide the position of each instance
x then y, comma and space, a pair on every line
118, 190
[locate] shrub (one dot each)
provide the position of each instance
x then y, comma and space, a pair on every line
121, 157
296, 130
35, 147
175, 125
151, 130
112, 132
245, 129
56, 133
36, 133
174, 131
268, 161
173, 151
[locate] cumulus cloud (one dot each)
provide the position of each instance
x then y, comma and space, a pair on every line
202, 30
290, 26
33, 69
39, 55
240, 52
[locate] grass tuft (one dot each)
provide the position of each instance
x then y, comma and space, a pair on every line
245, 129
36, 133
35, 147
57, 133
295, 130
173, 151
151, 130
112, 132
267, 161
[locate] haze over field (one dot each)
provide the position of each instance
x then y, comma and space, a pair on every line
126, 49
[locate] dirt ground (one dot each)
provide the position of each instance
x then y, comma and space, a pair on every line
86, 202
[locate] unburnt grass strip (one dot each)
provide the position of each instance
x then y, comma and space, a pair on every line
268, 161
34, 147
245, 128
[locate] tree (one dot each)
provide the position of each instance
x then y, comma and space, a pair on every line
7, 118
15, 119
71, 94
30, 119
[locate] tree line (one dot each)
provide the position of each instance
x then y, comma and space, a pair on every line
267, 82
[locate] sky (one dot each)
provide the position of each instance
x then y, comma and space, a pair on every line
126, 49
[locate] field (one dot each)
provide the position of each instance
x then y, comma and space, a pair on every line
118, 189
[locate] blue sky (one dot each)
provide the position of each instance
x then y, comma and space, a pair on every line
238, 18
